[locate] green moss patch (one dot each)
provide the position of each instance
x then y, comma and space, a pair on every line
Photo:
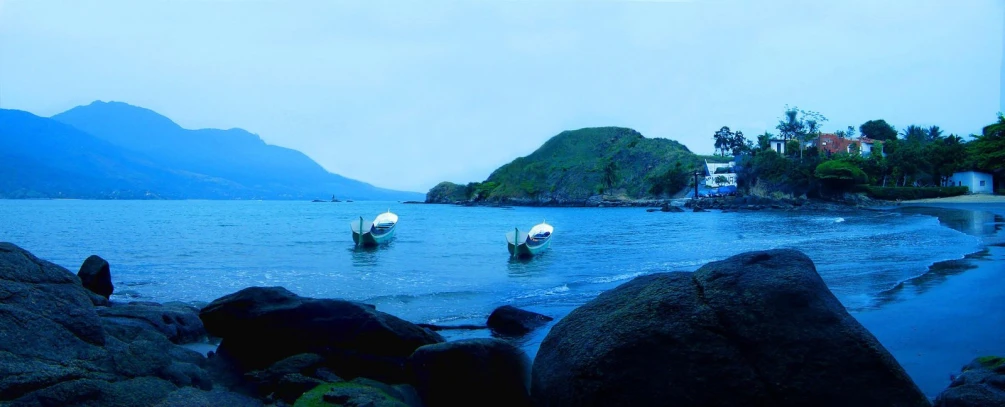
991, 362
347, 394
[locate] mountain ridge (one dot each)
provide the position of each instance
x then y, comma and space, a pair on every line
165, 159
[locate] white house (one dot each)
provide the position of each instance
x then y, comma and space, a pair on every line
978, 182
778, 145
710, 178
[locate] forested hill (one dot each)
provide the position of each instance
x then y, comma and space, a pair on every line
573, 166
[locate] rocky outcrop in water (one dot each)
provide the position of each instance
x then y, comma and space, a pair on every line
95, 275
759, 328
508, 320
982, 383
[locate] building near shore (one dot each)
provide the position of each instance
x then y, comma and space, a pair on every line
978, 182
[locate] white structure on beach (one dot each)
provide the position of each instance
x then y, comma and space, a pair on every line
710, 168
978, 182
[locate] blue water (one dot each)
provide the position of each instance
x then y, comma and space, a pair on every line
449, 264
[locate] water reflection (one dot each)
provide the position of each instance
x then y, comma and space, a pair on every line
972, 222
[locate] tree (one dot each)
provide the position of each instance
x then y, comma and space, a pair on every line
915, 134
988, 149
721, 179
723, 140
610, 174
878, 130
946, 156
800, 125
738, 144
764, 141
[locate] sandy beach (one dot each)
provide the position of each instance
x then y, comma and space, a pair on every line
976, 198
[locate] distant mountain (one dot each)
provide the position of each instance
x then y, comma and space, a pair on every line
95, 150
576, 166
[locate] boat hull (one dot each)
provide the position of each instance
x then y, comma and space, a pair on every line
368, 239
524, 250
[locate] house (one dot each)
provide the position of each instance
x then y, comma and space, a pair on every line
866, 146
829, 143
778, 145
978, 182
712, 172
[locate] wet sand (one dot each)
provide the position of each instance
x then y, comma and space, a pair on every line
974, 199
936, 323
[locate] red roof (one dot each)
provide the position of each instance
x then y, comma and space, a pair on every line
833, 144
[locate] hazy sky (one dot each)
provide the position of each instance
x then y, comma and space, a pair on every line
404, 94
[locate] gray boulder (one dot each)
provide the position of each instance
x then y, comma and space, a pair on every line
450, 373
982, 383
94, 274
262, 325
759, 328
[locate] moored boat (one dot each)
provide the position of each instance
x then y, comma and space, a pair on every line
530, 243
380, 231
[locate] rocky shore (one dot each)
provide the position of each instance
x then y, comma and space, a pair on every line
759, 328
728, 203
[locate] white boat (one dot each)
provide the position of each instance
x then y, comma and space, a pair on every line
380, 231
530, 243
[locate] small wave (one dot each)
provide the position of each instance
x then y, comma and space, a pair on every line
838, 220
619, 277
545, 292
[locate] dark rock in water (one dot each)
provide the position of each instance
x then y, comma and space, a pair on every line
670, 208
447, 374
262, 325
699, 209
512, 321
982, 383
178, 322
759, 328
95, 276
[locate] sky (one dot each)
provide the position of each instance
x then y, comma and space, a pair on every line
405, 94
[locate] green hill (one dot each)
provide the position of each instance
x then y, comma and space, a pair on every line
577, 166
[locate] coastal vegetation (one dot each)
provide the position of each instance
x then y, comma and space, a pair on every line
915, 163
577, 165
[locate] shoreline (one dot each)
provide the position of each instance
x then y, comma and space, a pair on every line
938, 321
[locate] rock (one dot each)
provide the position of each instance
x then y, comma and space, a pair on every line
348, 394
288, 378
671, 208
982, 383
262, 325
178, 322
447, 374
95, 276
143, 391
512, 321
97, 300
56, 350
699, 209
759, 328
192, 397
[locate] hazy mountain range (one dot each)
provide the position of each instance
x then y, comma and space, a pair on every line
116, 150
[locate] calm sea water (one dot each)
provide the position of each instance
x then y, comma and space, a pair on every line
449, 264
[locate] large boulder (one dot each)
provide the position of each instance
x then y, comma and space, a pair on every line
759, 328
982, 383
508, 320
177, 321
56, 350
471, 372
95, 275
262, 325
